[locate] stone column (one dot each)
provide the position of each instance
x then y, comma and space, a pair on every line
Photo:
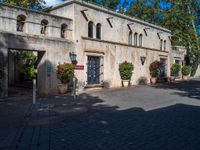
4, 67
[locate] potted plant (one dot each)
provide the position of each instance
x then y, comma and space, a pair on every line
126, 71
185, 72
65, 73
154, 71
175, 69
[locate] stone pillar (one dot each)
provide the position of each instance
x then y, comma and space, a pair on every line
41, 74
11, 68
4, 67
197, 72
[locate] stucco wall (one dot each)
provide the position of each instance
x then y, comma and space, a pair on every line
113, 46
114, 54
119, 32
8, 21
53, 51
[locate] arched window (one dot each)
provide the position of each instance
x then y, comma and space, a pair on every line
21, 22
135, 39
161, 44
140, 40
165, 45
63, 32
130, 38
98, 30
44, 24
90, 29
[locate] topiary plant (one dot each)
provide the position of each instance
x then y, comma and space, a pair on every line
186, 70
126, 70
175, 68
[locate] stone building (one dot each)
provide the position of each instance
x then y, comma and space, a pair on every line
101, 39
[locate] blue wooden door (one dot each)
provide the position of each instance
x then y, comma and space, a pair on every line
93, 70
163, 67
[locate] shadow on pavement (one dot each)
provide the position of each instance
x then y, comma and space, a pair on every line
101, 127
189, 89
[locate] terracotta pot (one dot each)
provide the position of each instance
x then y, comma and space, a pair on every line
172, 79
125, 83
62, 88
153, 80
185, 77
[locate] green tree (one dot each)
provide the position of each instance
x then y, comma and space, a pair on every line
31, 4
147, 10
180, 19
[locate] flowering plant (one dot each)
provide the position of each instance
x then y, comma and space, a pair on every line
65, 72
126, 70
154, 68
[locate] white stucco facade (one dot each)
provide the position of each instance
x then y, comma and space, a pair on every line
112, 48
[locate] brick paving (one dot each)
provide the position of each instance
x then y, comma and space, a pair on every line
143, 118
13, 112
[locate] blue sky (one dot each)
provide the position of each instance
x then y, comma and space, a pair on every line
52, 2
162, 4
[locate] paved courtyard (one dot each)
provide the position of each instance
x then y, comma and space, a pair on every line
140, 118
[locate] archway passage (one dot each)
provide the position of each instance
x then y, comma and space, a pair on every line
21, 65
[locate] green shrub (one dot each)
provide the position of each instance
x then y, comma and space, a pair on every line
31, 72
186, 70
154, 68
126, 70
175, 69
65, 72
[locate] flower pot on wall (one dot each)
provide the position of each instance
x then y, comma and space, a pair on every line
62, 88
125, 83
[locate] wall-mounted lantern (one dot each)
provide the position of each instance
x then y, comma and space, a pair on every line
73, 56
143, 59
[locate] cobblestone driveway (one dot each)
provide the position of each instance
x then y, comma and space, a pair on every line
164, 117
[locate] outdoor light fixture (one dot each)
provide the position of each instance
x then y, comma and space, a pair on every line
72, 56
142, 58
